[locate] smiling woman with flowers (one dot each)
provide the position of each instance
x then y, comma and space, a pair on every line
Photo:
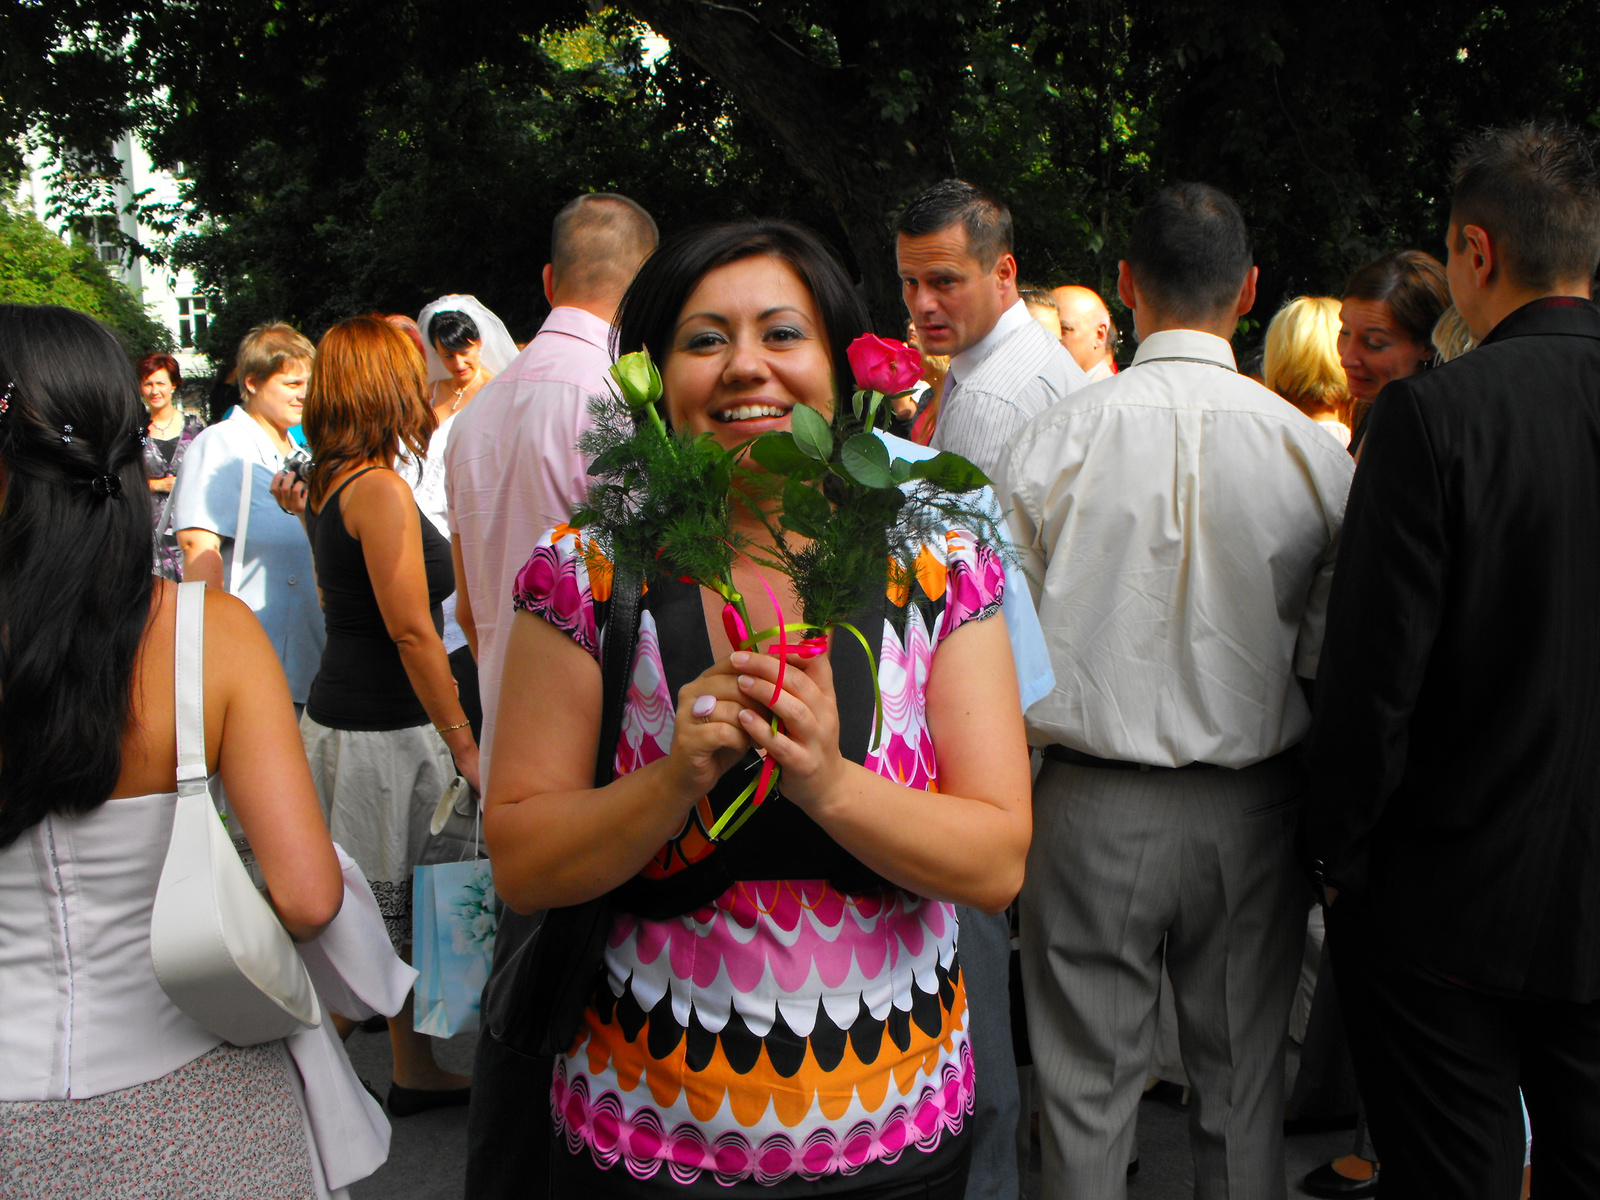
779, 1012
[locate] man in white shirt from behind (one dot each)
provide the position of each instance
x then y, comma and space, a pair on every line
512, 467
1183, 522
959, 281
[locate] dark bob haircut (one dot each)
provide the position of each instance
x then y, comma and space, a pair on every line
455, 331
1189, 250
1412, 283
650, 309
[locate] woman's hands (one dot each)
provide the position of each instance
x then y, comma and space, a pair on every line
709, 737
164, 484
807, 745
290, 493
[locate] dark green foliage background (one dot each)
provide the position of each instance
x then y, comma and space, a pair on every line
350, 155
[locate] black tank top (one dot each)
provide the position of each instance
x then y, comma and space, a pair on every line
361, 683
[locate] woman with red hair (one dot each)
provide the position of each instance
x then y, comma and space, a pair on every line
170, 431
382, 723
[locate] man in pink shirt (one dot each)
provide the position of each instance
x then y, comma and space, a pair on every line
512, 471
512, 468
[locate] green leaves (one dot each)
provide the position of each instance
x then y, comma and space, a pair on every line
780, 454
805, 510
811, 432
866, 460
950, 472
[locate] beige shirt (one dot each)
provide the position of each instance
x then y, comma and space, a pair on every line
1180, 522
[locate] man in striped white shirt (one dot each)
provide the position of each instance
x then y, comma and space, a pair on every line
959, 280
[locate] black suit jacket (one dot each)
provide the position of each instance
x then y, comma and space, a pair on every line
1455, 753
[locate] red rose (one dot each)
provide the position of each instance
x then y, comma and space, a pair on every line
882, 365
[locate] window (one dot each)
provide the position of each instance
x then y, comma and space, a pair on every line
107, 236
194, 315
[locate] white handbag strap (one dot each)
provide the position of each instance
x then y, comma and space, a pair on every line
241, 527
188, 690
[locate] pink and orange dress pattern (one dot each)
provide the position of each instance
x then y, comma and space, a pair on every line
785, 1028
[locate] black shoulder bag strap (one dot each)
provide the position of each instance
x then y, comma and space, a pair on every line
535, 998
544, 973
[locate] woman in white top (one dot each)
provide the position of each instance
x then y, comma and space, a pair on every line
232, 531
106, 1088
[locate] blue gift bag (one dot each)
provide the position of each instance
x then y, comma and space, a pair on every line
452, 929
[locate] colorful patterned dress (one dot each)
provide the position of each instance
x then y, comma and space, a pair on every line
772, 1013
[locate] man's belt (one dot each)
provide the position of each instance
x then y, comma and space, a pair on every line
1077, 758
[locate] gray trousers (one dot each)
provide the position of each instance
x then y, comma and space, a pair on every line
1121, 860
984, 947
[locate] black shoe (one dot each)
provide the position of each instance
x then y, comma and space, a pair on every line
378, 1024
1325, 1181
1298, 1125
408, 1102
1133, 1168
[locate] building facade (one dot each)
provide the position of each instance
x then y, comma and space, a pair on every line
169, 295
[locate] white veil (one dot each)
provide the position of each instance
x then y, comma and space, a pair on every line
497, 350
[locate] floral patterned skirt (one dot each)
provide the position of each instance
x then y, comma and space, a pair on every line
224, 1126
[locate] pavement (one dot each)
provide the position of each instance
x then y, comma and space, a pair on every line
427, 1156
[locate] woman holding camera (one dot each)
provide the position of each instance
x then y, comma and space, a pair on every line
232, 531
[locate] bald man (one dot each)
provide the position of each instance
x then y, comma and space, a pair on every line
1086, 330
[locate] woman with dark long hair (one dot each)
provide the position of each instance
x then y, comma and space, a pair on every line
783, 1013
103, 1081
383, 721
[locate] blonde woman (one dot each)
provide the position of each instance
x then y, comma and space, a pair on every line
1301, 362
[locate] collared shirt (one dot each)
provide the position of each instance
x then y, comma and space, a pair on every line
276, 578
1184, 523
1104, 369
1000, 383
513, 471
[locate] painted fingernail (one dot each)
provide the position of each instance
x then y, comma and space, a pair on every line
703, 706
747, 681
740, 658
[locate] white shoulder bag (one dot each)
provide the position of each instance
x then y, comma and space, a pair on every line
220, 952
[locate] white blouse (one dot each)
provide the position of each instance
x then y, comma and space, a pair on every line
81, 1010
84, 1013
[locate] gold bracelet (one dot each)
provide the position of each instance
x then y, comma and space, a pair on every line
451, 728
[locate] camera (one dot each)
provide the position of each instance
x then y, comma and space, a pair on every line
298, 465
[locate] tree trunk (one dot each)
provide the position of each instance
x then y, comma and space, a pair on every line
819, 115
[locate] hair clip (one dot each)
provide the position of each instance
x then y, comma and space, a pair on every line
106, 486
5, 399
67, 435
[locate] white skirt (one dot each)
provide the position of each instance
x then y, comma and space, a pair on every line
378, 791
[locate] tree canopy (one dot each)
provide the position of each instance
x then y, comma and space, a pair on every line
348, 157
37, 267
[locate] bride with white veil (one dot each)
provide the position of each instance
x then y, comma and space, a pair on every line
465, 346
